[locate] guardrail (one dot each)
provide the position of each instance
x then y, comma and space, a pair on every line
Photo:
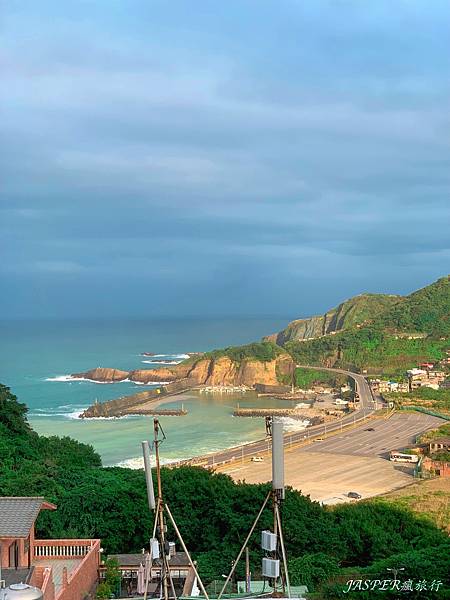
426, 411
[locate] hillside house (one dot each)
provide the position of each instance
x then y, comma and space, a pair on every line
440, 468
425, 378
63, 569
439, 444
134, 566
382, 386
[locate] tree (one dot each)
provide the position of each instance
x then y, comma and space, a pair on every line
312, 569
112, 575
103, 591
13, 413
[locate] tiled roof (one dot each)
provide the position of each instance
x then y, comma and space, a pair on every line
134, 560
17, 515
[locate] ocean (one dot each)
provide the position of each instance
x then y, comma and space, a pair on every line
37, 357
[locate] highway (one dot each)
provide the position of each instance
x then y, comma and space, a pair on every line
366, 407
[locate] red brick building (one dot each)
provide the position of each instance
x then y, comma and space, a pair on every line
438, 467
62, 569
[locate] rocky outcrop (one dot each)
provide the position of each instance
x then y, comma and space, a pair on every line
205, 371
103, 375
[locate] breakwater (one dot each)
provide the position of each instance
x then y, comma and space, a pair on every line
160, 412
293, 413
140, 403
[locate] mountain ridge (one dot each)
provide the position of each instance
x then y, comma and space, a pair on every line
355, 311
426, 310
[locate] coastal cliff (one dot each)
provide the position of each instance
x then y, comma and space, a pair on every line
204, 371
357, 311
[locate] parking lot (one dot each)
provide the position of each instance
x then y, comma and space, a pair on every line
350, 461
397, 432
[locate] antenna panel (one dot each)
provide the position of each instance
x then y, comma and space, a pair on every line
148, 476
154, 547
268, 541
277, 456
270, 568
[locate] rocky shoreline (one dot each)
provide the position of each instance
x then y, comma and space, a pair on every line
193, 372
203, 371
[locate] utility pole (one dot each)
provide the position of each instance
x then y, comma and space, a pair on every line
274, 427
159, 527
247, 571
165, 568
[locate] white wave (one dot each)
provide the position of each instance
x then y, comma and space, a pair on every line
113, 418
48, 414
75, 415
138, 462
291, 424
170, 356
71, 379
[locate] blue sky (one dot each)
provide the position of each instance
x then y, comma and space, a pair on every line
221, 158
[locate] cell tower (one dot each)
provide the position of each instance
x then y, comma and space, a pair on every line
159, 545
272, 542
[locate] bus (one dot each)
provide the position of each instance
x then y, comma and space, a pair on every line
400, 457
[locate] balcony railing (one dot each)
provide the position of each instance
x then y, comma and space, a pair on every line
62, 548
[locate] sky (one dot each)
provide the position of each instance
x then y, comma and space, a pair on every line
246, 157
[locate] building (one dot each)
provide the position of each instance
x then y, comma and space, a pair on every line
425, 378
63, 569
340, 402
439, 444
382, 386
133, 566
440, 468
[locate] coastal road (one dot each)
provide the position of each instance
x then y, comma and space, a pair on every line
366, 406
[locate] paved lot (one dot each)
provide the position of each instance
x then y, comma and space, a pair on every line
352, 461
393, 434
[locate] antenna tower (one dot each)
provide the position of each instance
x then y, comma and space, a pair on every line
159, 546
272, 542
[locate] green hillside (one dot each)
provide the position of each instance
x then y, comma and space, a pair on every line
426, 310
410, 330
262, 351
368, 348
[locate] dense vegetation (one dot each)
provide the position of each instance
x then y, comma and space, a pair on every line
375, 335
262, 351
110, 503
426, 310
305, 378
442, 431
368, 348
438, 400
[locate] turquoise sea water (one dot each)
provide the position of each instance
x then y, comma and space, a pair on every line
35, 357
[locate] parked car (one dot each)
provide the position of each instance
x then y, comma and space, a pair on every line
354, 495
257, 458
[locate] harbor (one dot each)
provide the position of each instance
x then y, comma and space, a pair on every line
222, 389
